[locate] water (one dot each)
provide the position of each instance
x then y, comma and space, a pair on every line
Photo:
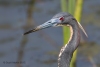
40, 49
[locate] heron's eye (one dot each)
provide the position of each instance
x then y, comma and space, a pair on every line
61, 18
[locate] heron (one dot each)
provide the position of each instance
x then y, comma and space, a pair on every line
64, 19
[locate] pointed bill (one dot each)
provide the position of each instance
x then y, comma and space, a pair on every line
33, 30
82, 29
50, 23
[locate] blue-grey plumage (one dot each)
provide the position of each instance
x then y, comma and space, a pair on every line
64, 19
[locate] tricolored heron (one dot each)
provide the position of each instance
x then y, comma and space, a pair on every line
64, 19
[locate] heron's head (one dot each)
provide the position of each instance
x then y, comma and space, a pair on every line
59, 19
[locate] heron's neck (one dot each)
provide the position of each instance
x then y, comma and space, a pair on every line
66, 52
74, 38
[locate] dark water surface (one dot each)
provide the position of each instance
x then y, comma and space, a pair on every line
41, 49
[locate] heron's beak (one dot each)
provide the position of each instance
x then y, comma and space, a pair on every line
50, 23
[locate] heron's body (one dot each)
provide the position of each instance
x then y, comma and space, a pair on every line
64, 19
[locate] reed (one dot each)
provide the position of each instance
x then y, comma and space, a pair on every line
74, 7
66, 31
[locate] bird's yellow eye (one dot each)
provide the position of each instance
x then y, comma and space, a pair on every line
61, 18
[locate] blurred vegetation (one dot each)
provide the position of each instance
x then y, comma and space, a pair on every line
90, 51
30, 12
85, 49
25, 38
69, 6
